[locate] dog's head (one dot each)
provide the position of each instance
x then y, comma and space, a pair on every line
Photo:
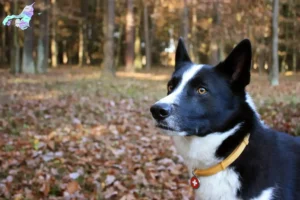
203, 99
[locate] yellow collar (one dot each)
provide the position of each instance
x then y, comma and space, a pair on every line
226, 162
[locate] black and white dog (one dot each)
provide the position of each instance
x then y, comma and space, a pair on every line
208, 113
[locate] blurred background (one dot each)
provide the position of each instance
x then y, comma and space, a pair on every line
138, 34
77, 85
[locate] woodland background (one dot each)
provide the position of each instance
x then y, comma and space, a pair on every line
77, 85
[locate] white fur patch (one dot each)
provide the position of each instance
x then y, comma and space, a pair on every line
250, 102
174, 133
252, 105
188, 75
267, 194
199, 152
222, 186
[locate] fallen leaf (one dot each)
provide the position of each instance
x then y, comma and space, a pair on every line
109, 179
72, 187
109, 193
74, 175
128, 197
45, 189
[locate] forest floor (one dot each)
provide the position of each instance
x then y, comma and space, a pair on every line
72, 133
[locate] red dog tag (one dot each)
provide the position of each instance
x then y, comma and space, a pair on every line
194, 182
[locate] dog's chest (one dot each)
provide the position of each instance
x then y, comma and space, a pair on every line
201, 154
223, 186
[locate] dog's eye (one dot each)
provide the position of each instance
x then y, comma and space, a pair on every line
170, 88
201, 90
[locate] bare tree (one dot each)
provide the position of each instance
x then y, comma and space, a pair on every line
82, 34
81, 43
109, 68
294, 14
53, 34
185, 23
3, 35
275, 63
194, 40
129, 57
137, 41
15, 51
147, 38
43, 42
28, 66
214, 48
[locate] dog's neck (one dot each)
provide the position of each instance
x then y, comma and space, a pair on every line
200, 152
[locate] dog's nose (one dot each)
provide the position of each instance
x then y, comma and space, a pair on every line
160, 111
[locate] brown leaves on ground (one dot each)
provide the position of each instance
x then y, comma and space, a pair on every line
71, 135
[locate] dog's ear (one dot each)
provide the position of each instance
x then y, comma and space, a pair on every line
238, 65
181, 54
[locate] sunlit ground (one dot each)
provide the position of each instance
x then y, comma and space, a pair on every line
74, 133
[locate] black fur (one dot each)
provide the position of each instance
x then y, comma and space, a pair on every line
181, 56
272, 159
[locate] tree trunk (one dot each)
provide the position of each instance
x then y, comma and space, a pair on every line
294, 58
129, 57
221, 50
43, 43
194, 38
186, 24
108, 50
99, 16
54, 52
82, 51
28, 63
214, 57
15, 52
87, 37
137, 49
105, 16
65, 52
275, 63
137, 42
214, 49
81, 43
261, 62
154, 53
119, 46
283, 62
3, 56
147, 38
284, 65
294, 37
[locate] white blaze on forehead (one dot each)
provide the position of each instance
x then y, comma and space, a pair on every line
186, 77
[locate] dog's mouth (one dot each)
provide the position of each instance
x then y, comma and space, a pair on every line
165, 127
